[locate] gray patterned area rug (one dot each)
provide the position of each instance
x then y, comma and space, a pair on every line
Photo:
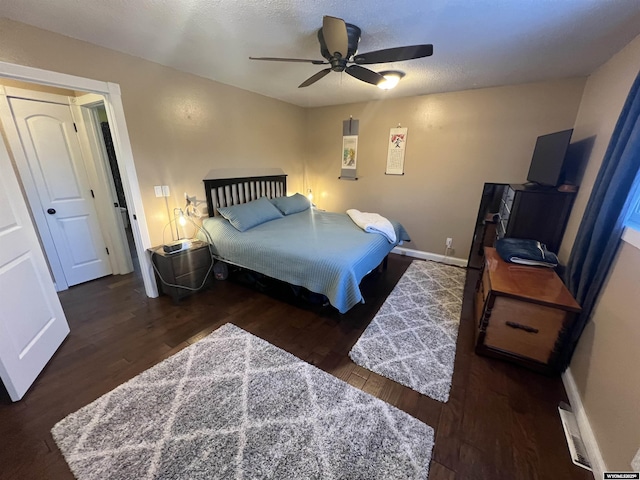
233, 406
412, 338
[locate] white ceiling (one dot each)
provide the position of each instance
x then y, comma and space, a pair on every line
477, 43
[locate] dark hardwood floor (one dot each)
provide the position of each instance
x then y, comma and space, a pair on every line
501, 421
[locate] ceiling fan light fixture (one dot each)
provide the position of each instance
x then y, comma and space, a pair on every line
391, 79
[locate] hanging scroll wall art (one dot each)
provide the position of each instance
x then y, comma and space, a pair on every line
349, 150
396, 149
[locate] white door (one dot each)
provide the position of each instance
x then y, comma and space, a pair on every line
53, 152
32, 323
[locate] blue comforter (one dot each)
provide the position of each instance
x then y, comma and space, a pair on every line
324, 252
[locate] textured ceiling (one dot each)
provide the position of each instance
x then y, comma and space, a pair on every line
477, 43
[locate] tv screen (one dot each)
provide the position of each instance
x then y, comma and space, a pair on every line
548, 158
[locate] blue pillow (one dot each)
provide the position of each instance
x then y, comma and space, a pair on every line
248, 215
293, 204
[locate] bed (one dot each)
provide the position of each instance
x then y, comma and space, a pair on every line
324, 252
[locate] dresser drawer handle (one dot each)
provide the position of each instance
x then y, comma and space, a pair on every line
526, 328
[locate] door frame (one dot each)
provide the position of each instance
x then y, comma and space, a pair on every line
102, 202
93, 146
120, 136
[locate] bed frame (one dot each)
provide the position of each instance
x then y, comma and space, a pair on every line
224, 192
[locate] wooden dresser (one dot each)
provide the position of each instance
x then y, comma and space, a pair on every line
522, 313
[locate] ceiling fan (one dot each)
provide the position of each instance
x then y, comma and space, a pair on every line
339, 43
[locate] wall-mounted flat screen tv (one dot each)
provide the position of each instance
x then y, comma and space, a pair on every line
548, 158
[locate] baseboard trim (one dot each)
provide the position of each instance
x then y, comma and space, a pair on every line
593, 451
458, 262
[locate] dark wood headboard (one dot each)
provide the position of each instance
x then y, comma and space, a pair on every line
224, 192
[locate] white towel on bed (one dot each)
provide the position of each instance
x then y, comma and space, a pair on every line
373, 223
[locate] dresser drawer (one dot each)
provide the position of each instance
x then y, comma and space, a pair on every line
192, 279
525, 329
184, 263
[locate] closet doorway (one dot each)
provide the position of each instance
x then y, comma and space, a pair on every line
62, 158
32, 318
98, 141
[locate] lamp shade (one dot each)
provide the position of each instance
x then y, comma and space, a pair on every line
391, 79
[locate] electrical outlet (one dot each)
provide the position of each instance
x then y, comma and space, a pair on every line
158, 190
449, 242
165, 191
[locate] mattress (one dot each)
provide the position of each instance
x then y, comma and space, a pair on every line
324, 252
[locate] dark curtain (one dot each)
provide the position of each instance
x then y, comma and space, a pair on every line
599, 234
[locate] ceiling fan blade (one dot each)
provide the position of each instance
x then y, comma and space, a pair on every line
394, 54
314, 78
300, 60
334, 31
364, 74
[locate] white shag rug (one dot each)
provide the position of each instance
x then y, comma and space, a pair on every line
412, 338
233, 406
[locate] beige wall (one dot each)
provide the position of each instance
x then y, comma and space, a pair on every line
180, 125
456, 142
604, 95
606, 363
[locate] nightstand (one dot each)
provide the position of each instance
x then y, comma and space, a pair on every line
188, 267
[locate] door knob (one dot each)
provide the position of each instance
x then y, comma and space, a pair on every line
51, 211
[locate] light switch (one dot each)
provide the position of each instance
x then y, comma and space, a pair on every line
165, 190
158, 190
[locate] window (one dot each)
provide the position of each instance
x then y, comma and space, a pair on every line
633, 220
631, 233
633, 217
